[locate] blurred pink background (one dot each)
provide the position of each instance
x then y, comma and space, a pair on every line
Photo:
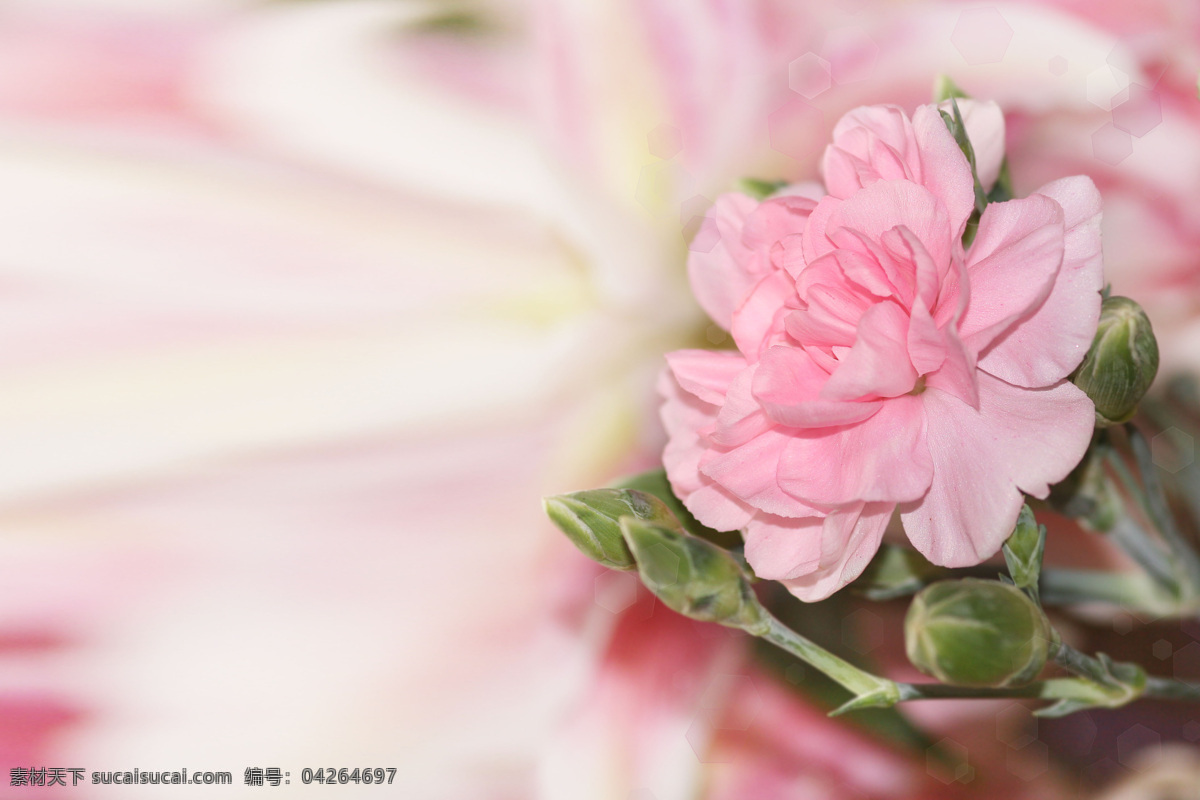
306, 303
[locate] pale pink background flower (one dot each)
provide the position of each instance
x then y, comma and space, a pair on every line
256, 358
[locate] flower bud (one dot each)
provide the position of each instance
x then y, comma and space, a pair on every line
590, 521
693, 577
976, 633
1024, 549
1122, 362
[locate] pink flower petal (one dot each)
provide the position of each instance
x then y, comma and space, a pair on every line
956, 375
887, 204
870, 143
685, 416
722, 277
706, 373
788, 384
849, 540
944, 168
1019, 440
776, 218
926, 344
831, 305
780, 549
1011, 268
883, 458
1060, 330
759, 321
927, 275
878, 364
741, 417
748, 472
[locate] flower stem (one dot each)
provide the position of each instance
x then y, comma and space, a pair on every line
851, 677
1168, 689
1135, 540
1102, 683
1158, 510
1134, 591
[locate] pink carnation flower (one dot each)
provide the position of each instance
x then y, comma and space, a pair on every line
881, 366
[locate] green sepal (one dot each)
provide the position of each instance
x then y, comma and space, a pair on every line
886, 696
1109, 684
590, 519
944, 88
1024, 550
692, 576
654, 482
976, 633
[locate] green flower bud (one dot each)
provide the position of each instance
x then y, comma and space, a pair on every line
693, 577
976, 633
590, 521
1122, 362
1024, 549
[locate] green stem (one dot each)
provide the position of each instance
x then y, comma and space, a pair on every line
1168, 689
1132, 538
1101, 683
851, 677
1080, 663
1133, 591
1160, 512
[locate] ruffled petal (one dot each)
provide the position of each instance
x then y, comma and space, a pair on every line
748, 472
759, 321
870, 143
944, 169
706, 374
926, 344
883, 458
849, 540
878, 364
685, 418
788, 385
741, 417
887, 204
1061, 328
1019, 440
722, 277
1011, 266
